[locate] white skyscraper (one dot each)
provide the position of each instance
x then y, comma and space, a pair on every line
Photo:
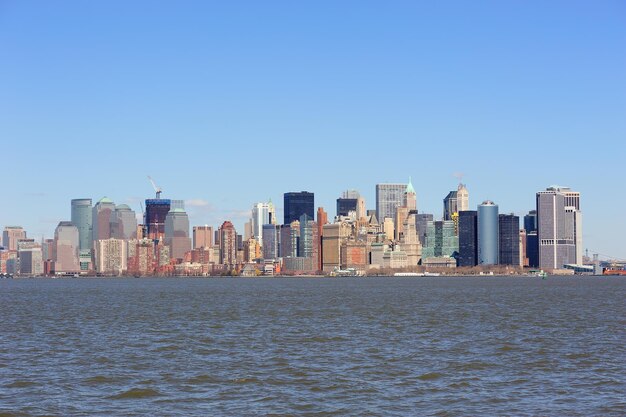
262, 213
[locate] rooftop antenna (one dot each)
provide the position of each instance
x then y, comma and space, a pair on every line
157, 190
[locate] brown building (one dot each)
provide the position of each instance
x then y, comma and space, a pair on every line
322, 219
228, 244
202, 237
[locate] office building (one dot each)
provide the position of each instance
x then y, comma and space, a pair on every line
421, 225
202, 237
82, 215
450, 205
271, 241
488, 234
468, 238
441, 240
530, 221
123, 223
102, 213
11, 235
66, 242
556, 229
462, 198
156, 211
262, 213
298, 203
509, 233
388, 198
177, 233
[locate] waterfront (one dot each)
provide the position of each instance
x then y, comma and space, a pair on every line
285, 346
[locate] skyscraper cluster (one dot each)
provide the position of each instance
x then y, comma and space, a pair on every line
109, 239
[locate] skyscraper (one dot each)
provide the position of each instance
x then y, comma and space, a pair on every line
82, 219
450, 205
509, 239
202, 237
66, 241
462, 198
556, 228
123, 223
441, 240
410, 197
530, 221
322, 219
388, 198
111, 256
488, 234
271, 241
177, 233
468, 238
228, 244
297, 204
262, 213
421, 224
156, 211
11, 235
101, 216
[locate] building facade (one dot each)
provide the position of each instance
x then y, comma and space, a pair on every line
298, 203
509, 233
468, 238
488, 234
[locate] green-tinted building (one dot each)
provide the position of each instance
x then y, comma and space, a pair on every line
440, 240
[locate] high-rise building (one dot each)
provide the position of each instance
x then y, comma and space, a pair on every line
322, 220
123, 223
441, 240
177, 233
488, 234
156, 211
332, 238
82, 218
202, 237
468, 238
297, 204
262, 213
530, 221
450, 205
462, 198
556, 228
228, 244
346, 205
66, 241
271, 241
410, 197
421, 225
102, 213
509, 239
388, 198
111, 256
30, 258
11, 235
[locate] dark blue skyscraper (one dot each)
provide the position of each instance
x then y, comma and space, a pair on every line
297, 204
509, 239
468, 238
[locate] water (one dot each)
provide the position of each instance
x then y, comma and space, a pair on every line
378, 347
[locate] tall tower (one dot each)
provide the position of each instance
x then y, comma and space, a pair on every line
123, 223
261, 214
11, 235
509, 239
82, 219
66, 241
388, 198
557, 227
462, 198
156, 211
101, 216
297, 204
410, 197
228, 244
177, 233
468, 238
488, 234
450, 205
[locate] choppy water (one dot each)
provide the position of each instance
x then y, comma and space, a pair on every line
384, 346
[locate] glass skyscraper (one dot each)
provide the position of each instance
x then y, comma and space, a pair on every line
388, 198
297, 204
468, 238
488, 235
509, 239
82, 219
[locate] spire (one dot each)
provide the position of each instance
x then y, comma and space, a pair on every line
409, 188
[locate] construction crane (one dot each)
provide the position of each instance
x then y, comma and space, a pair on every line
157, 190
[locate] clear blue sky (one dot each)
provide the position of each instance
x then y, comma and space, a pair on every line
229, 103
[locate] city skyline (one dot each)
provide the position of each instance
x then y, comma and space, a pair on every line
226, 106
